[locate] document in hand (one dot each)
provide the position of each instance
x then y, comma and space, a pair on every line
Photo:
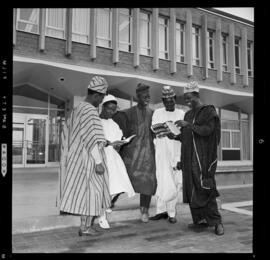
127, 140
165, 128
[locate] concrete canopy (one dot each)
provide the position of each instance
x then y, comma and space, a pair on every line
66, 80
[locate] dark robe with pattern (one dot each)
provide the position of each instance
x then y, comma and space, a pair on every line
199, 161
139, 154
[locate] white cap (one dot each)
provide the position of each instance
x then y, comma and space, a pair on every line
191, 87
108, 98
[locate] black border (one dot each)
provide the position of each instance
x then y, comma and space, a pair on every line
260, 207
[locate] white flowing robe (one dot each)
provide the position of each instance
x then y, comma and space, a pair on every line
167, 152
118, 176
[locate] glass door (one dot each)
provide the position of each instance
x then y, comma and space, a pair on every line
36, 140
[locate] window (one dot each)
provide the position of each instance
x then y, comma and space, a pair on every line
28, 20
225, 52
80, 25
104, 27
250, 58
237, 55
163, 38
230, 131
245, 132
145, 33
180, 42
125, 29
211, 49
196, 45
55, 22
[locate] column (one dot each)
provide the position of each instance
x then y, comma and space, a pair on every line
218, 51
155, 39
93, 33
14, 25
42, 24
77, 100
231, 56
172, 41
241, 134
244, 66
115, 34
69, 31
189, 53
204, 47
136, 37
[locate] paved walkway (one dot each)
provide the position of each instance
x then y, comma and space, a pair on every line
129, 235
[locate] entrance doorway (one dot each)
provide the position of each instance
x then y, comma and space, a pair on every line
30, 140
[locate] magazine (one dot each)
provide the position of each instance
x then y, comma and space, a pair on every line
165, 128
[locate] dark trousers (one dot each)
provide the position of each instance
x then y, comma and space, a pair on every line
145, 200
210, 213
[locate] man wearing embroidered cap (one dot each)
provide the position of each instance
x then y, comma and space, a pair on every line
84, 180
167, 153
139, 154
200, 136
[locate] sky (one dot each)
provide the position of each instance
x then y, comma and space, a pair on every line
244, 12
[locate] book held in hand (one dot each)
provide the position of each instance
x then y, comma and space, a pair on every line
163, 129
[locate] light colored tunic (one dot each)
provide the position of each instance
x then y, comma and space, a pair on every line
82, 191
167, 154
118, 176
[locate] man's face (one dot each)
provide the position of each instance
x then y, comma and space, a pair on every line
169, 103
98, 97
143, 98
190, 100
109, 109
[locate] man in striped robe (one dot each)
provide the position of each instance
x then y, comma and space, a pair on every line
84, 187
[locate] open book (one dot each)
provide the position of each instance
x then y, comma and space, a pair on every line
165, 128
124, 141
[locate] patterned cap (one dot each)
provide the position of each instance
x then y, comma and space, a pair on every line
191, 87
167, 92
98, 84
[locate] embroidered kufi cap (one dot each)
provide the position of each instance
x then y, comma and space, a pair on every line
167, 92
98, 84
141, 88
191, 87
108, 98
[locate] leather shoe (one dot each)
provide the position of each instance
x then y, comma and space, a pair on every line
219, 229
159, 216
172, 220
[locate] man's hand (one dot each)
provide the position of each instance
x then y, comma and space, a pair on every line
99, 169
181, 123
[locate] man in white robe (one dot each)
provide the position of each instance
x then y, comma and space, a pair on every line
167, 154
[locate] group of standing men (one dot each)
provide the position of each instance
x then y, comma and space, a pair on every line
155, 163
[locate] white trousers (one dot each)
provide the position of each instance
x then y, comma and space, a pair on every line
169, 207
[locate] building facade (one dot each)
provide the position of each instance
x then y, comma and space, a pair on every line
57, 51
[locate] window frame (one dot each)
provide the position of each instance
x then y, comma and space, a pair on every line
130, 42
250, 50
182, 30
225, 44
87, 34
108, 39
149, 26
27, 22
56, 28
211, 62
194, 35
238, 45
166, 26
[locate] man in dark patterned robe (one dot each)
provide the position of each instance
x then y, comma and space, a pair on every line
200, 136
139, 154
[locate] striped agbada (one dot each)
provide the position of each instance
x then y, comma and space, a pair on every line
81, 190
